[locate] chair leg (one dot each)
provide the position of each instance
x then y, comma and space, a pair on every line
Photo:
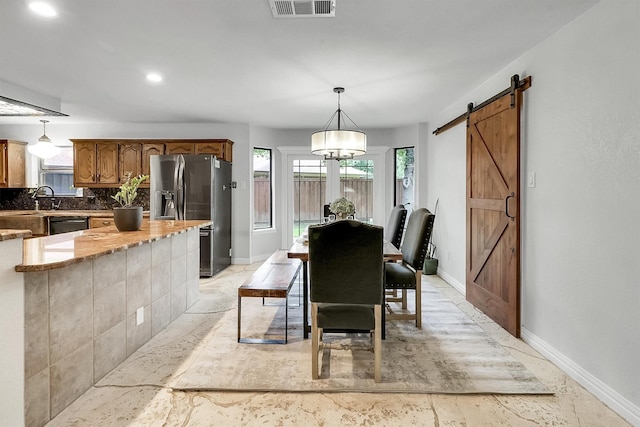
419, 299
377, 344
314, 341
404, 299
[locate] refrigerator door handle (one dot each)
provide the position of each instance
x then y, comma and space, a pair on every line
179, 187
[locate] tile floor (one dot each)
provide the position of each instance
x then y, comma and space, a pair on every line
135, 394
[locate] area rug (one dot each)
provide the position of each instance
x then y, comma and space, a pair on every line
450, 354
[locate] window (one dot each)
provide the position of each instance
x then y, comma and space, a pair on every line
403, 183
262, 189
57, 173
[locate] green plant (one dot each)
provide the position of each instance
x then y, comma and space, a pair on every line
129, 189
342, 207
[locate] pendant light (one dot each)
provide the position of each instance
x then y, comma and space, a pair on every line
339, 143
44, 148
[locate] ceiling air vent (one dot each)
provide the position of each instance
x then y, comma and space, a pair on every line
303, 8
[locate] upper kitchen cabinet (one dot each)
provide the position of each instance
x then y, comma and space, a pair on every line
104, 162
148, 150
95, 163
12, 164
221, 148
130, 159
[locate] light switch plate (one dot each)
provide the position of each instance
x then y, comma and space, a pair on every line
531, 179
139, 316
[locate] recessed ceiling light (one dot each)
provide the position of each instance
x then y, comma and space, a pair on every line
154, 77
42, 8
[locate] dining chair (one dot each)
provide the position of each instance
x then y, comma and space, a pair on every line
346, 284
395, 227
408, 273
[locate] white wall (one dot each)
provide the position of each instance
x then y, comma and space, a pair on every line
581, 228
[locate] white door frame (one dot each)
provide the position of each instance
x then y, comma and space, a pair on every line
291, 153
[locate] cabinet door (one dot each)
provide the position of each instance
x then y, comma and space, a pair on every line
147, 151
213, 148
130, 159
107, 165
180, 148
84, 163
4, 167
16, 176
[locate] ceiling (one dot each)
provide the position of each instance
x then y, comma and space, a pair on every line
232, 61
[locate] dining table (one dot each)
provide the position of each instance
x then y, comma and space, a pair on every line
300, 250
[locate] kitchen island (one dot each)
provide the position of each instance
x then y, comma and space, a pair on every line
92, 298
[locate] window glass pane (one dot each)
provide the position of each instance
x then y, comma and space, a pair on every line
404, 188
310, 186
57, 172
356, 185
262, 194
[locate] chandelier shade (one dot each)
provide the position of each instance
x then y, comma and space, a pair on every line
342, 144
44, 148
339, 143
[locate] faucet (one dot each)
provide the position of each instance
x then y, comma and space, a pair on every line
53, 194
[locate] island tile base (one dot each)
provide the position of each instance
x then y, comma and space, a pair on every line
84, 319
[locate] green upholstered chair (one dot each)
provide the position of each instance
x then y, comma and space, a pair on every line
407, 274
346, 283
395, 227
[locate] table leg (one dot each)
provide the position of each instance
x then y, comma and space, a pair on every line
305, 298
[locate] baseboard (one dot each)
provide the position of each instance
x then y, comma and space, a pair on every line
460, 287
606, 394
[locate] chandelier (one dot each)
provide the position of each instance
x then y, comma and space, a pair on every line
44, 148
339, 143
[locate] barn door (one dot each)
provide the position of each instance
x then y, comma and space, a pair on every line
493, 214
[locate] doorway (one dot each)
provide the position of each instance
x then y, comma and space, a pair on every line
313, 182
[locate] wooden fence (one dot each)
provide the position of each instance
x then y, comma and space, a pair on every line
310, 198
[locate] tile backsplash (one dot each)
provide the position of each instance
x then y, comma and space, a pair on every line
92, 199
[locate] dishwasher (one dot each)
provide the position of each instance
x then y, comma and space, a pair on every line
65, 224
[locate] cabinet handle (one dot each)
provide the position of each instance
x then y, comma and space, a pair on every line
105, 222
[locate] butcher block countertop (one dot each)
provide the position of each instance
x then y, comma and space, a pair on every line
60, 250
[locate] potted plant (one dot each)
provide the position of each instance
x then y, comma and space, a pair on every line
128, 217
342, 208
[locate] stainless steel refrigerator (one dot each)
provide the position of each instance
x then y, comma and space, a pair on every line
185, 186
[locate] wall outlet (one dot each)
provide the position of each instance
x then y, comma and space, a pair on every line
139, 316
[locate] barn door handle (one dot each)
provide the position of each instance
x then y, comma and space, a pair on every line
506, 206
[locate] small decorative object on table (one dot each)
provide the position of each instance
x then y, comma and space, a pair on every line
342, 208
128, 217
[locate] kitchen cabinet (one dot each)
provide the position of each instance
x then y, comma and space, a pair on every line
135, 157
219, 148
130, 160
179, 148
12, 164
96, 222
103, 162
95, 163
148, 150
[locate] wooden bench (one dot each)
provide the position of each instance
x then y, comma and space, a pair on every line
273, 279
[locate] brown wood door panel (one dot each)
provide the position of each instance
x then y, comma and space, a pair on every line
493, 238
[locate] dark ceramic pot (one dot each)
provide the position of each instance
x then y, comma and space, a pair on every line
128, 219
430, 266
